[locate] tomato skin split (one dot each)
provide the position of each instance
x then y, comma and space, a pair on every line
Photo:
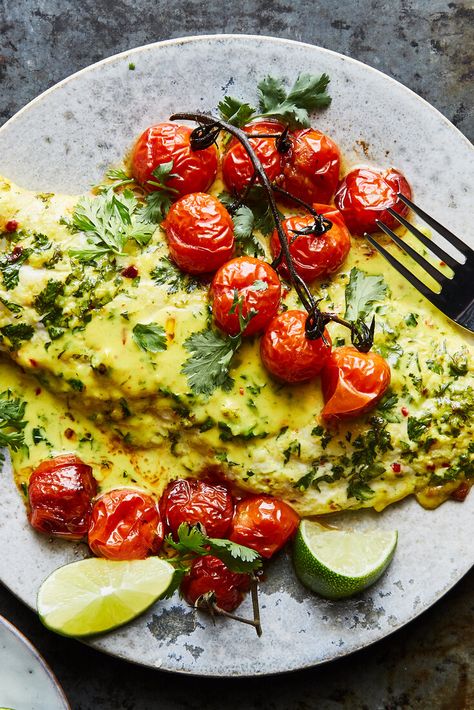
208, 575
258, 287
60, 493
264, 524
189, 500
194, 171
365, 195
311, 166
200, 233
313, 255
353, 382
237, 168
288, 354
125, 525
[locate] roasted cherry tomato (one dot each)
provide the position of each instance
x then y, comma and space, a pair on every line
263, 523
237, 169
208, 575
353, 382
314, 256
125, 525
247, 284
200, 233
311, 166
288, 354
60, 492
364, 195
193, 170
189, 500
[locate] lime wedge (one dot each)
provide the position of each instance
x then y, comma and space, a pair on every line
339, 563
97, 595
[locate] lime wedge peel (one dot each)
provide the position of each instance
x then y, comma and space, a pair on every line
97, 595
340, 563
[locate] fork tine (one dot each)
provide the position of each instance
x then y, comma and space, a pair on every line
428, 243
429, 268
449, 236
435, 298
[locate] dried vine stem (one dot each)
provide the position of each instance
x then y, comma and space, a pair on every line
205, 135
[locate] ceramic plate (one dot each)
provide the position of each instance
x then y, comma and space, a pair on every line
26, 682
63, 141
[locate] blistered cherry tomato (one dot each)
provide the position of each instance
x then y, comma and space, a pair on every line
125, 525
209, 575
314, 256
249, 284
311, 166
237, 169
60, 492
193, 170
353, 382
288, 354
263, 523
192, 501
364, 195
200, 233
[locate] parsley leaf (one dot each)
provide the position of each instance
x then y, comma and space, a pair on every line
11, 421
192, 542
208, 366
12, 307
307, 93
16, 334
150, 337
362, 291
166, 273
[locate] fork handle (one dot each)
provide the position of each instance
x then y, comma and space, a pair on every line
466, 318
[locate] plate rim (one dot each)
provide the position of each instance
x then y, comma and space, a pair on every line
277, 41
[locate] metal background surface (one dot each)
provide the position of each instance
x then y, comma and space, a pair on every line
75, 131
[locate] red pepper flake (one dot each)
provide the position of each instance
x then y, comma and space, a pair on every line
241, 390
33, 362
405, 411
445, 465
16, 253
131, 272
38, 391
69, 433
431, 467
12, 225
396, 467
442, 263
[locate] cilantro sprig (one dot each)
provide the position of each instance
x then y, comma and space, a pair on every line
150, 337
362, 292
274, 101
212, 353
193, 542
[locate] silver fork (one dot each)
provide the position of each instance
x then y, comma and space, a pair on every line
456, 298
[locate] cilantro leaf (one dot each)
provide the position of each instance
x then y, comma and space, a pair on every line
307, 93
166, 273
11, 421
362, 291
190, 539
208, 366
244, 220
150, 337
16, 334
156, 207
234, 111
416, 427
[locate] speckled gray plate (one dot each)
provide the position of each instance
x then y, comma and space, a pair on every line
26, 682
63, 141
